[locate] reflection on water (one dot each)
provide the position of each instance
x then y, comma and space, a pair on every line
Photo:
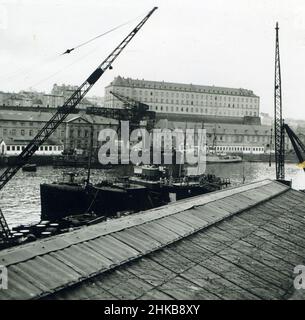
20, 200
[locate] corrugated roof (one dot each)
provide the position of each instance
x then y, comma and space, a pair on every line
238, 243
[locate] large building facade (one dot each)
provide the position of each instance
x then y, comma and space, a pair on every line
18, 127
185, 99
231, 116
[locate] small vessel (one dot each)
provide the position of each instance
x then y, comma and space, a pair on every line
223, 158
173, 183
30, 167
213, 157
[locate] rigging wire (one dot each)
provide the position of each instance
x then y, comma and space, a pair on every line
100, 35
64, 68
32, 68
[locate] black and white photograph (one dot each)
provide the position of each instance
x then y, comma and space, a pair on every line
152, 153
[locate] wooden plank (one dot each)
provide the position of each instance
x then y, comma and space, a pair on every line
210, 212
171, 260
191, 219
151, 272
275, 250
281, 242
216, 284
267, 274
137, 240
155, 294
175, 226
190, 250
158, 232
123, 285
182, 289
242, 278
20, 287
286, 234
258, 254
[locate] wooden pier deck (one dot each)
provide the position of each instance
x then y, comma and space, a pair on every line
238, 243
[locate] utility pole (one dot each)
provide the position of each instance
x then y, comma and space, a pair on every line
279, 142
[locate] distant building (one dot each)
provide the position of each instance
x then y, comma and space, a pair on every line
59, 94
96, 101
182, 100
66, 91
266, 119
52, 100
18, 126
231, 138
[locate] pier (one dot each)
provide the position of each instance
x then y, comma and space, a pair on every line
238, 243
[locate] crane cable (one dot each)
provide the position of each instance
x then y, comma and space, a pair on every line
100, 35
28, 70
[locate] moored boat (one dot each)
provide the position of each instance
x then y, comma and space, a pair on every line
30, 167
106, 198
223, 158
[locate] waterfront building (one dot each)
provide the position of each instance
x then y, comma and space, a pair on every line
12, 147
74, 133
176, 100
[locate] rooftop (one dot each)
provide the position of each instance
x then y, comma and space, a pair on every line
121, 81
238, 243
38, 116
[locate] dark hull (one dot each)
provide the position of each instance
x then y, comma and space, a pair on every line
30, 168
62, 200
183, 192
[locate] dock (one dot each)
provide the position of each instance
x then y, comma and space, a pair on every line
237, 243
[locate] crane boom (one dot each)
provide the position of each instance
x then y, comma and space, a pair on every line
63, 112
133, 111
298, 146
129, 102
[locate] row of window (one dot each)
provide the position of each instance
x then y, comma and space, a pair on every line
173, 93
239, 148
196, 103
25, 132
204, 111
41, 148
245, 138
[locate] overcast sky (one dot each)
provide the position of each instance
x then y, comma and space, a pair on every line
223, 43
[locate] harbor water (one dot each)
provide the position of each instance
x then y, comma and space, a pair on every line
20, 199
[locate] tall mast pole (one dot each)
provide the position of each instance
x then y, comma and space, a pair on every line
279, 141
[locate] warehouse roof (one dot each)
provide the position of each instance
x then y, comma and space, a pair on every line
239, 243
38, 116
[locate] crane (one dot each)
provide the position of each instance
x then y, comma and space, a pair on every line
133, 111
298, 146
139, 110
279, 134
62, 112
